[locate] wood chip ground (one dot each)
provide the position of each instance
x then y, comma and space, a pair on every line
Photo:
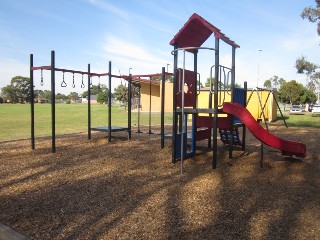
92, 189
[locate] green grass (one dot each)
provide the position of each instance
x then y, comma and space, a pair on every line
70, 118
301, 120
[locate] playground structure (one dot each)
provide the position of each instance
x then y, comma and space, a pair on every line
206, 121
189, 39
132, 79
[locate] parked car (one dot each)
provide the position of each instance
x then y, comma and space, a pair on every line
296, 109
316, 109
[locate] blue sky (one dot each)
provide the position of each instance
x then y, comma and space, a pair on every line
136, 34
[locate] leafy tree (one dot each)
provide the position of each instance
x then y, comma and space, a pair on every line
73, 96
313, 14
9, 93
308, 96
295, 93
43, 96
95, 90
102, 98
302, 65
267, 83
274, 82
1, 100
207, 83
22, 84
60, 96
121, 93
221, 85
169, 79
159, 79
18, 90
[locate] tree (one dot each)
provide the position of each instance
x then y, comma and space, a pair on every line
9, 93
303, 66
73, 96
221, 85
60, 96
159, 79
22, 84
313, 14
102, 98
308, 96
95, 90
295, 93
274, 82
42, 96
209, 80
18, 90
267, 83
121, 93
313, 77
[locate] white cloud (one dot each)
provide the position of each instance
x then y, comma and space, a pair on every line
129, 54
11, 68
109, 8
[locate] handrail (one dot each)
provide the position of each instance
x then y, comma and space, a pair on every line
191, 48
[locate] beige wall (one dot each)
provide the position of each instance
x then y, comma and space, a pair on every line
155, 97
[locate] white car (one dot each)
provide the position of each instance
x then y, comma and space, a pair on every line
316, 109
296, 109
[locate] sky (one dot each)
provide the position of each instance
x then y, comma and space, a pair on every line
135, 36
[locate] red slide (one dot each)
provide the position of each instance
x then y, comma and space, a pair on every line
288, 148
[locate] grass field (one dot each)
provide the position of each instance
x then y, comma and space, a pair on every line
72, 118
304, 120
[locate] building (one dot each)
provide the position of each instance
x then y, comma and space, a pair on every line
151, 95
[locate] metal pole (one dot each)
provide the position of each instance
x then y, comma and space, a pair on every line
284, 120
150, 132
53, 105
194, 119
162, 104
264, 116
233, 73
129, 105
244, 129
174, 105
139, 104
232, 100
32, 102
182, 114
109, 104
89, 104
215, 122
265, 103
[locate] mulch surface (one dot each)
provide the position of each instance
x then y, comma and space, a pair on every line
92, 189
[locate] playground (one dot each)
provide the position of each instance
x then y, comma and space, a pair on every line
92, 189
217, 172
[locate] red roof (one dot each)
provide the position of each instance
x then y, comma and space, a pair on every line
196, 31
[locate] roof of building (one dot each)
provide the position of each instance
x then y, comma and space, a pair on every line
196, 31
